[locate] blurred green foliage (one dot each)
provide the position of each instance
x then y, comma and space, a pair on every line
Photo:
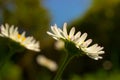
100, 75
11, 72
101, 22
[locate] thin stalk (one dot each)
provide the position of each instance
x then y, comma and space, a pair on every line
62, 67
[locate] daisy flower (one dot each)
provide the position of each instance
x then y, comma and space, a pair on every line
12, 33
78, 39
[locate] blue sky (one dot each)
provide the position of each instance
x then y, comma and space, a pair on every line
66, 10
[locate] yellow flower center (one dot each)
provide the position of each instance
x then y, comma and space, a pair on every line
69, 37
21, 37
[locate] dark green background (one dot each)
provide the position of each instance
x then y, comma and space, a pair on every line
101, 22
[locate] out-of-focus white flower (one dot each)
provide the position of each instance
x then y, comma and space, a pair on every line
78, 39
12, 33
50, 64
59, 45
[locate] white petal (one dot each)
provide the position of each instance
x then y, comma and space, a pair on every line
99, 48
93, 47
56, 30
4, 30
56, 38
53, 29
82, 39
101, 52
15, 33
77, 35
87, 43
49, 33
72, 32
94, 56
65, 30
11, 30
53, 35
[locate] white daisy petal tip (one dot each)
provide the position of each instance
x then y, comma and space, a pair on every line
55, 25
65, 23
97, 58
49, 33
72, 32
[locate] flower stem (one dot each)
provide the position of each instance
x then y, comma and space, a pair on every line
63, 65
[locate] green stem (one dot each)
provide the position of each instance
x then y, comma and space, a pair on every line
65, 62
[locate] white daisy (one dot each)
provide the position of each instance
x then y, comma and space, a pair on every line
12, 33
78, 39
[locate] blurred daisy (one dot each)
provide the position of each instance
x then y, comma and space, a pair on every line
43, 61
78, 39
12, 33
59, 45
